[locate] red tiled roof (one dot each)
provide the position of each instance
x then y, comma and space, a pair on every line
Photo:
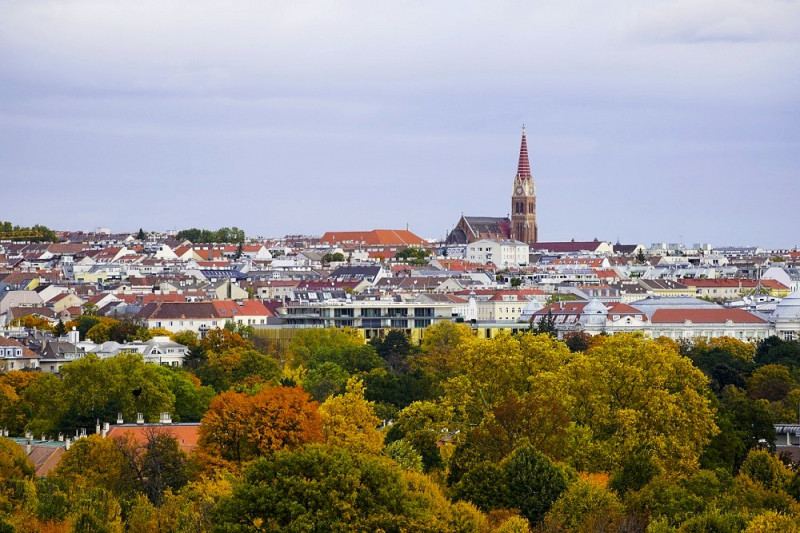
705, 316
385, 237
26, 352
226, 308
186, 434
166, 297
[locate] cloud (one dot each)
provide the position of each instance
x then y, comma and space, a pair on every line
718, 21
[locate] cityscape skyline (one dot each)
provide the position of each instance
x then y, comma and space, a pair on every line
668, 122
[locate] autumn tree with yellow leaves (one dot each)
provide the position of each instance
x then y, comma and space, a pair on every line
348, 421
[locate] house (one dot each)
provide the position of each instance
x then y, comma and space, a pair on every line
708, 323
503, 253
201, 317
789, 277
15, 356
786, 317
593, 317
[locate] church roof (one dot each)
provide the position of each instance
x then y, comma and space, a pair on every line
493, 225
524, 165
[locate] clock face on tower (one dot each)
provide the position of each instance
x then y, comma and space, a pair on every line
519, 190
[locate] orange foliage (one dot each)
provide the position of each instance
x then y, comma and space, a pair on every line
19, 380
33, 321
240, 428
218, 340
598, 478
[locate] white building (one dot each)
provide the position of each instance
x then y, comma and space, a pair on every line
504, 254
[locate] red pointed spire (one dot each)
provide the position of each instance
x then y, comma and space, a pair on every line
524, 167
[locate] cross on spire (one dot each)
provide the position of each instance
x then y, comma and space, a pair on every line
524, 166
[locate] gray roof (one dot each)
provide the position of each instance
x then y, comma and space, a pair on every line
651, 304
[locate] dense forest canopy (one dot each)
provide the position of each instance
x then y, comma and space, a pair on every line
514, 433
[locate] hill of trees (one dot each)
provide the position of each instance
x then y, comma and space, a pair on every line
515, 433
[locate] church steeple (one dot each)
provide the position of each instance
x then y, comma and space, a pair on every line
524, 166
523, 199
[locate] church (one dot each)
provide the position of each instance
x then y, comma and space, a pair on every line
522, 224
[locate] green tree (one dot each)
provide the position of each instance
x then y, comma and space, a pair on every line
395, 349
586, 507
485, 486
328, 489
405, 455
545, 325
141, 235
413, 255
534, 483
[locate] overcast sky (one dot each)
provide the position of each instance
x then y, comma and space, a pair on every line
647, 121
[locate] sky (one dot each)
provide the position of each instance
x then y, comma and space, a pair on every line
654, 121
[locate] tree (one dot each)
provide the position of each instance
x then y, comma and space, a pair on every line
545, 325
534, 483
395, 349
771, 383
348, 421
95, 388
336, 257
405, 455
191, 397
763, 467
237, 366
141, 235
484, 485
628, 392
490, 370
585, 506
154, 466
413, 255
744, 424
320, 488
60, 329
14, 463
94, 462
308, 342
578, 341
239, 428
441, 348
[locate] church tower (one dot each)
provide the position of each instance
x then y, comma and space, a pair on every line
523, 199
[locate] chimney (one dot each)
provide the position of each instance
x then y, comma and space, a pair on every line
73, 336
44, 437
28, 447
166, 418
139, 418
67, 443
106, 427
97, 427
60, 437
83, 433
119, 418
